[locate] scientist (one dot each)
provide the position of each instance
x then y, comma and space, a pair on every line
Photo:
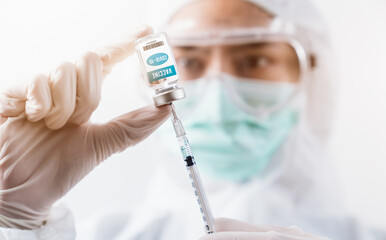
258, 76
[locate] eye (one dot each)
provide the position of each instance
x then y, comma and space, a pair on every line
190, 63
253, 62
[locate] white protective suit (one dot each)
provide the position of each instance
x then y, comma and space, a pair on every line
298, 188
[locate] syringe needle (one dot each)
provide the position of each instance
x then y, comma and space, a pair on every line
173, 111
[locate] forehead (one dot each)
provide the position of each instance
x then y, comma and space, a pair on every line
219, 14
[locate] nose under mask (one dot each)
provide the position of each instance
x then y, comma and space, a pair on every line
227, 142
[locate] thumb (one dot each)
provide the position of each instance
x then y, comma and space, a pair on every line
117, 52
91, 70
127, 130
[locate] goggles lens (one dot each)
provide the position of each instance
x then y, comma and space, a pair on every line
274, 61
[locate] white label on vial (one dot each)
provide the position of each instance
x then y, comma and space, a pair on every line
158, 60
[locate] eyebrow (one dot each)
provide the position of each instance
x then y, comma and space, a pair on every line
188, 48
250, 46
232, 47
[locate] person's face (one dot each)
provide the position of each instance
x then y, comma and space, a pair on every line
275, 61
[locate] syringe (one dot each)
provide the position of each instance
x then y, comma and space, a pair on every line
161, 72
193, 173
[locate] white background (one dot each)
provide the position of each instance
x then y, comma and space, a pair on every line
36, 35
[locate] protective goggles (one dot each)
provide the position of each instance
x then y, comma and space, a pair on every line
260, 61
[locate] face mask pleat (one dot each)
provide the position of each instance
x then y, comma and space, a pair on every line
228, 142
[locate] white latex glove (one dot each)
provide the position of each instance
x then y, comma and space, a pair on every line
230, 229
47, 144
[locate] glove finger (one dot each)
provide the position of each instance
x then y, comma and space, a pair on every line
114, 53
248, 236
63, 91
127, 130
39, 98
2, 120
34, 98
231, 225
89, 83
12, 101
93, 66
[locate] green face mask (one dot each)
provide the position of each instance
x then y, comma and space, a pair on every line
227, 142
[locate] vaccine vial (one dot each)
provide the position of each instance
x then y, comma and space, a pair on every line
159, 68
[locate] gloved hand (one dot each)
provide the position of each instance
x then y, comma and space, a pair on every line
47, 144
233, 229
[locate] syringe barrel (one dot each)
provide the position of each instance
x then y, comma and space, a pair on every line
202, 200
185, 146
178, 128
